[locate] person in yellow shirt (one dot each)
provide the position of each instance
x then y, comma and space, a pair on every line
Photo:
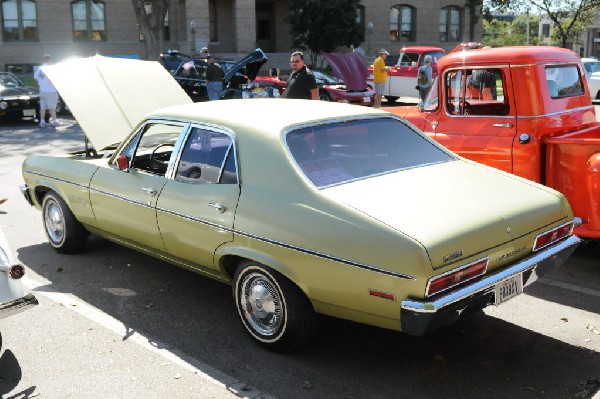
380, 76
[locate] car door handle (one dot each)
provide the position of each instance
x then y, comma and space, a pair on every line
217, 206
508, 125
150, 191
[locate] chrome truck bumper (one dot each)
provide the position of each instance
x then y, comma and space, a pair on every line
420, 317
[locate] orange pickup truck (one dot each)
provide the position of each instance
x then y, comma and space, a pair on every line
524, 110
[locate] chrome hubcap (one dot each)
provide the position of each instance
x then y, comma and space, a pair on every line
55, 225
261, 304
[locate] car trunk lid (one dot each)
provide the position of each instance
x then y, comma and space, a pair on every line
425, 204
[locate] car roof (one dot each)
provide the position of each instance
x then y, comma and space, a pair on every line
269, 116
420, 48
514, 55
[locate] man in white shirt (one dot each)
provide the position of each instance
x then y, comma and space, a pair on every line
48, 95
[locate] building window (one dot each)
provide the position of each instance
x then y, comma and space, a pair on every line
212, 21
402, 23
360, 20
450, 24
89, 21
19, 21
546, 30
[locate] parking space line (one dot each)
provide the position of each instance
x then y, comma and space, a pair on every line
570, 287
203, 370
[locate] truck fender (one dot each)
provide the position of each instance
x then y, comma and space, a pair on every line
593, 188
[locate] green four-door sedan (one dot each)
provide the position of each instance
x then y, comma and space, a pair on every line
305, 207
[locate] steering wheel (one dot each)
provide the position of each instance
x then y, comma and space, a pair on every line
152, 161
468, 108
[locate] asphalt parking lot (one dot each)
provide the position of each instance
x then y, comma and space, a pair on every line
113, 323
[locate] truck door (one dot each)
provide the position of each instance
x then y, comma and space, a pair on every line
476, 116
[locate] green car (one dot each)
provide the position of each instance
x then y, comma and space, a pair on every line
303, 207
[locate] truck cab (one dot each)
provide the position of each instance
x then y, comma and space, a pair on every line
524, 110
402, 75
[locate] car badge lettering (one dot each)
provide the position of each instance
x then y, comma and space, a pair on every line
510, 254
453, 255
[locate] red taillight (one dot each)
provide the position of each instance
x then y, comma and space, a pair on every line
553, 235
457, 276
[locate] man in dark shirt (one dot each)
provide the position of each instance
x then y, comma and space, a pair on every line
214, 79
301, 83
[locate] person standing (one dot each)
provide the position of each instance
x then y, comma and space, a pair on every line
301, 83
48, 95
380, 76
424, 80
214, 79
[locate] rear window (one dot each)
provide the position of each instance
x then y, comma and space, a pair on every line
563, 81
344, 151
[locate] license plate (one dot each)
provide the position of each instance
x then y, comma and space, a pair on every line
366, 99
29, 112
509, 288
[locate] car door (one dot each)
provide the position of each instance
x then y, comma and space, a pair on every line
478, 118
196, 208
124, 201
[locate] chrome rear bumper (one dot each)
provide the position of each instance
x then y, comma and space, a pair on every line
420, 317
17, 306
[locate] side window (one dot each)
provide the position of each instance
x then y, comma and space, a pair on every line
476, 92
563, 81
152, 148
207, 158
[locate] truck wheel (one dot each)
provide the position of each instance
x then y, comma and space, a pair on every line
391, 99
64, 232
273, 310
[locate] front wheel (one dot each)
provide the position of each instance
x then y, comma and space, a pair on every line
391, 99
64, 232
273, 310
324, 96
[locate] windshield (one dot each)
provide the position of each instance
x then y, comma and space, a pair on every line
8, 79
340, 152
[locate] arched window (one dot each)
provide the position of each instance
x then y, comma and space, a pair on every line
19, 21
89, 21
450, 24
402, 23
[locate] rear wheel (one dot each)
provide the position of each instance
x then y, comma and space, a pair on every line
64, 232
273, 310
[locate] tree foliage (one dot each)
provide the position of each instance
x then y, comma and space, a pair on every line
324, 25
498, 33
151, 15
570, 17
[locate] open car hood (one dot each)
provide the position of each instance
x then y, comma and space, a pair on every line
253, 62
109, 96
350, 68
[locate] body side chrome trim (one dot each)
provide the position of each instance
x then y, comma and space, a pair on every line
568, 111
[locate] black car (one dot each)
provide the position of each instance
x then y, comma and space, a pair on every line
16, 99
237, 83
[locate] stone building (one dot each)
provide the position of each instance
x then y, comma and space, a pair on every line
68, 28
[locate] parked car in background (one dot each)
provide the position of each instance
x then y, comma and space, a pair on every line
592, 76
13, 299
239, 80
347, 86
402, 76
303, 207
17, 100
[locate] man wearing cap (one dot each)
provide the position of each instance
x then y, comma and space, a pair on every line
214, 79
380, 76
204, 52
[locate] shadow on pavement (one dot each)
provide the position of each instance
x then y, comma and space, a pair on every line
481, 357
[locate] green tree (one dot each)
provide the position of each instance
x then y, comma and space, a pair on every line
570, 17
324, 25
150, 16
497, 33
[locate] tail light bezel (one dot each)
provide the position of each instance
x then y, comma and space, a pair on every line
550, 237
460, 274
